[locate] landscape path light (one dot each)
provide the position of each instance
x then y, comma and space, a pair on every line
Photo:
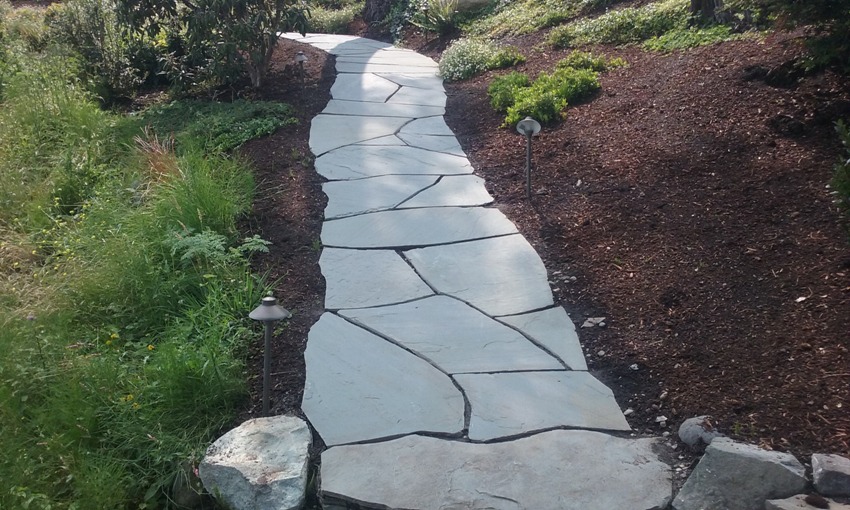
268, 313
528, 127
300, 58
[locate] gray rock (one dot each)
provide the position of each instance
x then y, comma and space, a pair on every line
798, 502
553, 329
555, 470
831, 474
737, 476
698, 432
361, 387
260, 464
499, 276
515, 403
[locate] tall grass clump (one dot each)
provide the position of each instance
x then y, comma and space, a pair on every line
125, 290
623, 26
467, 57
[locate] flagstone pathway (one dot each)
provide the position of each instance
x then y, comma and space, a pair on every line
442, 375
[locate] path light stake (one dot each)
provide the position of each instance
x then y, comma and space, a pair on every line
300, 58
268, 313
528, 127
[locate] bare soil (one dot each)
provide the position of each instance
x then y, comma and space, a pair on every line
686, 203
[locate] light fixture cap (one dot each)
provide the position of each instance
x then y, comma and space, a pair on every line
528, 126
300, 57
269, 311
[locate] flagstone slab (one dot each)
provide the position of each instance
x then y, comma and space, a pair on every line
419, 96
451, 190
446, 144
361, 387
555, 470
415, 227
328, 132
406, 58
409, 111
454, 336
554, 330
416, 81
363, 87
355, 67
357, 162
358, 278
513, 403
391, 140
500, 276
427, 126
346, 198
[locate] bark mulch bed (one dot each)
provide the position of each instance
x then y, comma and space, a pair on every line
686, 203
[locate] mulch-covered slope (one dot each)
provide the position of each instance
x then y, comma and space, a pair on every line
689, 201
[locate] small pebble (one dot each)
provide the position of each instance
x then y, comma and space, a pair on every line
600, 353
633, 366
628, 412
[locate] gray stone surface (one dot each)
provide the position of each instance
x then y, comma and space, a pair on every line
427, 126
556, 470
553, 329
737, 476
260, 464
357, 162
515, 403
357, 278
369, 67
831, 474
502, 276
798, 502
415, 227
409, 111
415, 95
454, 336
328, 132
363, 87
429, 85
361, 387
698, 432
346, 198
447, 144
451, 190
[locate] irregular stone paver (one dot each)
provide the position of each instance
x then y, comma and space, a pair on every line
366, 195
556, 470
427, 126
361, 387
366, 88
554, 330
262, 463
357, 67
514, 403
357, 162
415, 227
329, 132
357, 278
429, 86
358, 108
447, 144
452, 190
411, 95
454, 336
502, 276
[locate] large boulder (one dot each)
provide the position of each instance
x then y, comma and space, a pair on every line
698, 432
260, 464
737, 476
831, 474
802, 502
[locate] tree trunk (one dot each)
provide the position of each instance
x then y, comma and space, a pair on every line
706, 10
376, 10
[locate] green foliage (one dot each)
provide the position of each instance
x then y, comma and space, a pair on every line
25, 25
691, 37
327, 20
584, 60
546, 98
437, 16
628, 25
467, 57
220, 127
526, 16
841, 173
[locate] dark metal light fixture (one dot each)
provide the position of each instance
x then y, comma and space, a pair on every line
268, 313
528, 127
300, 58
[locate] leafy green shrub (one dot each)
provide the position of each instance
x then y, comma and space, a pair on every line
841, 177
546, 98
220, 126
583, 60
690, 37
526, 16
26, 24
438, 16
467, 57
628, 25
503, 90
333, 20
